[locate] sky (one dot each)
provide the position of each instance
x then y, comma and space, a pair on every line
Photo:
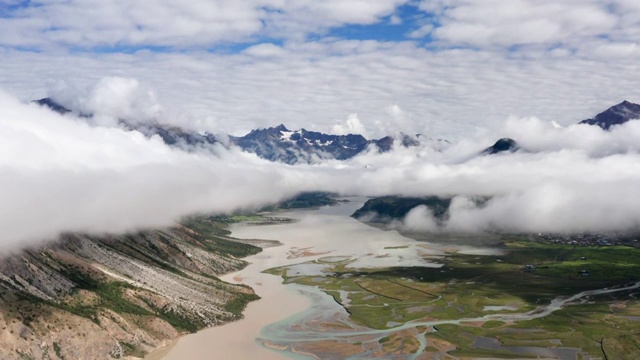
449, 66
469, 71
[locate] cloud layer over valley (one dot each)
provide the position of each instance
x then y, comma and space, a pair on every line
467, 71
69, 174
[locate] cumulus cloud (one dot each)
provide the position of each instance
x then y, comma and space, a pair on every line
507, 23
113, 97
419, 219
462, 63
554, 207
352, 125
265, 50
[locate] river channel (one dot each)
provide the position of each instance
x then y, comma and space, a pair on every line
281, 313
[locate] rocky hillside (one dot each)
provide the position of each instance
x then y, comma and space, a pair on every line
107, 297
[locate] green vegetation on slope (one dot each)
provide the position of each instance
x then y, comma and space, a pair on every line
188, 256
211, 234
389, 208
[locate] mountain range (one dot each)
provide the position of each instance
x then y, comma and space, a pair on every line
303, 146
273, 143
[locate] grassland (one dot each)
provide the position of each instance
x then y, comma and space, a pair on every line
527, 276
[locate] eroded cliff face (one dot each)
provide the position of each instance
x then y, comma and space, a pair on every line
88, 297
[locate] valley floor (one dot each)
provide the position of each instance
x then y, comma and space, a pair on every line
533, 300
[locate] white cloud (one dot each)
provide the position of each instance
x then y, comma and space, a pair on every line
352, 125
63, 175
506, 23
446, 93
419, 219
422, 31
395, 20
68, 176
489, 60
180, 24
265, 50
114, 97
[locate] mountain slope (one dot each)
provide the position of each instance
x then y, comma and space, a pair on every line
172, 135
113, 296
615, 115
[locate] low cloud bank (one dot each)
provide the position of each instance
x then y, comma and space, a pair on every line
60, 174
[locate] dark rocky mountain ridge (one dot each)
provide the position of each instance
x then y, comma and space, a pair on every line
615, 115
502, 145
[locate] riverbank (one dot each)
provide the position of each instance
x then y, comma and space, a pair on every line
276, 302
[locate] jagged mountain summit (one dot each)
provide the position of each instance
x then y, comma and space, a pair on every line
302, 146
615, 115
281, 144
